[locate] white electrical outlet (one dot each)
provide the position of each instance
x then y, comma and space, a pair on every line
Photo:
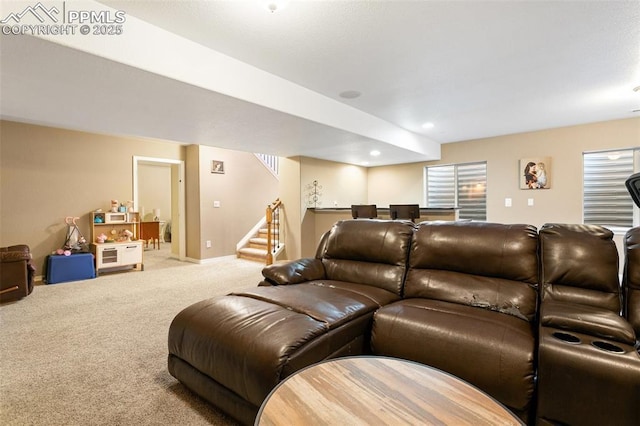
208, 243
530, 202
507, 202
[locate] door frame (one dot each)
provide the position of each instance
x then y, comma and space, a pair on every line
179, 164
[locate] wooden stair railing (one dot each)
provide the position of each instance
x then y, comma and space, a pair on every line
273, 229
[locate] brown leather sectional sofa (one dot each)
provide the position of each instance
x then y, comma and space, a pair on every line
531, 317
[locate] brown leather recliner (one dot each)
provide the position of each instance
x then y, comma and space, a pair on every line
588, 369
469, 308
16, 272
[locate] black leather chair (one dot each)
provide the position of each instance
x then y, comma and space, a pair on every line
633, 186
404, 211
364, 211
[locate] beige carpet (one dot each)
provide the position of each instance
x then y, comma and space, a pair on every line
94, 352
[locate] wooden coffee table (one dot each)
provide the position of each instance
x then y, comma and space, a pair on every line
372, 390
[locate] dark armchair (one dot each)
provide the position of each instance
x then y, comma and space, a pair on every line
364, 211
16, 272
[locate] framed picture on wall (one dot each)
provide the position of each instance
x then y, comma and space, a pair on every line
217, 166
535, 173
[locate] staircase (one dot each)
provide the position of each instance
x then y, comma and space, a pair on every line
263, 243
256, 247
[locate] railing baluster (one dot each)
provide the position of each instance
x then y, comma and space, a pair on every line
270, 161
273, 229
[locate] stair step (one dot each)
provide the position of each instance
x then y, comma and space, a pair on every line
252, 253
261, 241
264, 231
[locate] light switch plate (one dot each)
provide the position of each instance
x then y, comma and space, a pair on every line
530, 202
507, 202
216, 204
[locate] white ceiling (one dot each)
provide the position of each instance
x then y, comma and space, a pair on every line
474, 68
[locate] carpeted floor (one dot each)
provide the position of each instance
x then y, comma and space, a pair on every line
94, 352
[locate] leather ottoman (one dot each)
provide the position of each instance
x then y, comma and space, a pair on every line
233, 350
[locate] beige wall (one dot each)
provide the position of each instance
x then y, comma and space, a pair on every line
48, 174
342, 184
289, 190
244, 191
192, 177
561, 203
154, 190
401, 184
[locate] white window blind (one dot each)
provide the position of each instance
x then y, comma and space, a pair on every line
459, 185
441, 186
606, 200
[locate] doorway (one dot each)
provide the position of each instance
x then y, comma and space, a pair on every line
177, 203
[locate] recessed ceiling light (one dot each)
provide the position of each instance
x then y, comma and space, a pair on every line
374, 153
274, 5
428, 125
350, 94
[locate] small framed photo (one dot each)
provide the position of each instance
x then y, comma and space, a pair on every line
535, 173
217, 166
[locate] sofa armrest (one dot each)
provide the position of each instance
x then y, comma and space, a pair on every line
589, 320
294, 272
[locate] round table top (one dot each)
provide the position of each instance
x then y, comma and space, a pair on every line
369, 390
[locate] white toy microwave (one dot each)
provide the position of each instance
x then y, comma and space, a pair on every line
120, 217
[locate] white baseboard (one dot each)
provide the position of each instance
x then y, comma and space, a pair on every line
209, 260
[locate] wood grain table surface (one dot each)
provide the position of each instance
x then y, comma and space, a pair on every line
371, 390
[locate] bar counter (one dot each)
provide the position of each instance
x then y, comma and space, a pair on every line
318, 220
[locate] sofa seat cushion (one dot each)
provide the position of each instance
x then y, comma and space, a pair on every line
249, 341
492, 350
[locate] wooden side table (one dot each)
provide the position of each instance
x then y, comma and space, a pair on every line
150, 231
378, 390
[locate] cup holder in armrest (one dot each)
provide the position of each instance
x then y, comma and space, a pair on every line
567, 338
609, 347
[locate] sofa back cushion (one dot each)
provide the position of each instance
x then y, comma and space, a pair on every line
632, 278
487, 265
579, 265
371, 252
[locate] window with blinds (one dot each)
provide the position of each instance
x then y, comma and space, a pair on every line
458, 185
606, 200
